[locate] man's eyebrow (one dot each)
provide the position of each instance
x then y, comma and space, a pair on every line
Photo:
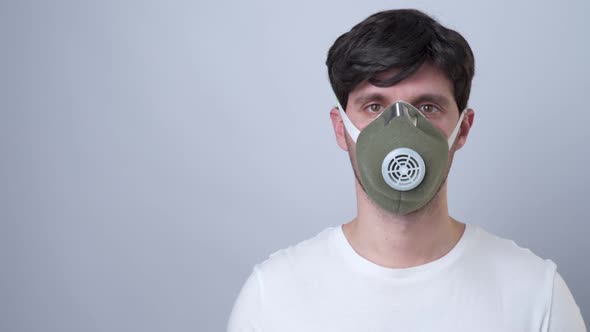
369, 97
426, 97
431, 97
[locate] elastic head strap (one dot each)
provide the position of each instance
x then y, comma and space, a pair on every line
453, 136
352, 129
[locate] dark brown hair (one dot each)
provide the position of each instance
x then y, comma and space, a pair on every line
399, 39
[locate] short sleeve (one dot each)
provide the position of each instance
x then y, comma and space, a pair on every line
246, 312
565, 314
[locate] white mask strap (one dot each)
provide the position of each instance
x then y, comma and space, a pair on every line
451, 140
352, 129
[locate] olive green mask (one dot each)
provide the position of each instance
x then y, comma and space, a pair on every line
401, 157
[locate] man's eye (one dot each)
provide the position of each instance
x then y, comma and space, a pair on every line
374, 108
428, 109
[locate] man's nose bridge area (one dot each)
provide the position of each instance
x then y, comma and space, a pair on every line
399, 109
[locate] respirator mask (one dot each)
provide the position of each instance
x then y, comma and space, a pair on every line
401, 157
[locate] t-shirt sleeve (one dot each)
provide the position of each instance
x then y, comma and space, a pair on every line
565, 314
246, 312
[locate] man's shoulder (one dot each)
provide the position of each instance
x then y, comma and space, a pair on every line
512, 262
520, 278
303, 256
506, 251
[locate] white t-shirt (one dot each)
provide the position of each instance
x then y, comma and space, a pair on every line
484, 283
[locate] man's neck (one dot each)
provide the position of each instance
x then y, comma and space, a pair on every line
397, 241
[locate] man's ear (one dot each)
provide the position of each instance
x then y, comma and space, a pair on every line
339, 129
466, 125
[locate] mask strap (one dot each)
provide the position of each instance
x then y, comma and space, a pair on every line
451, 140
352, 129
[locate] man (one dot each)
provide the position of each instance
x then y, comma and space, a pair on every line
403, 264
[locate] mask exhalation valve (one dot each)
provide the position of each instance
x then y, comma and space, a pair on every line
403, 169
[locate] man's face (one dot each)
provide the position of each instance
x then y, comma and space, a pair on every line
428, 89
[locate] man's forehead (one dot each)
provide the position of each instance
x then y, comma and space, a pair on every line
426, 81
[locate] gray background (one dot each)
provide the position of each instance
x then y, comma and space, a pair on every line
153, 152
